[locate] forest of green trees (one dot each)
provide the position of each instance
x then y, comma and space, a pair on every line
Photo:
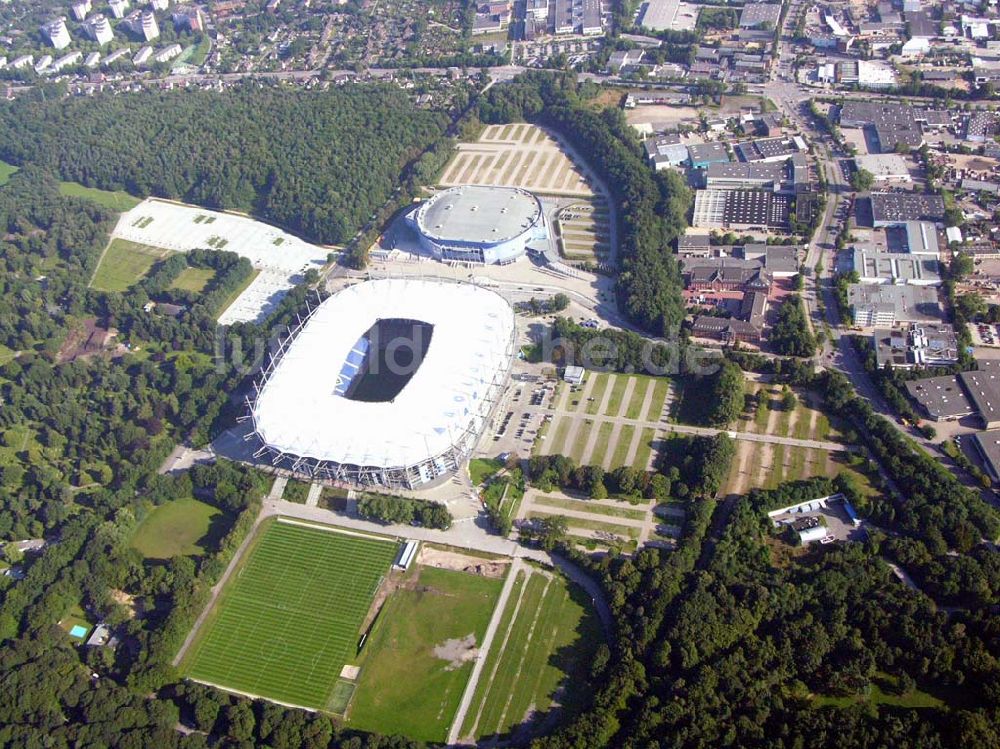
316, 162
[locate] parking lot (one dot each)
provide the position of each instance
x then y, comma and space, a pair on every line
985, 334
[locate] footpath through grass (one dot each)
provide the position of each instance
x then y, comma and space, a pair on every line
124, 264
405, 687
289, 618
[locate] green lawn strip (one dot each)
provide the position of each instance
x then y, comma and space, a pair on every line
404, 688
777, 472
484, 687
597, 393
312, 586
601, 444
175, 528
507, 679
124, 264
595, 544
634, 408
822, 429
783, 422
592, 506
594, 525
236, 293
645, 448
660, 387
762, 415
193, 279
797, 463
620, 455
481, 469
117, 200
296, 491
580, 443
617, 393
6, 172
560, 435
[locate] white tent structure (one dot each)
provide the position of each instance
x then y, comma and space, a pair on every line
307, 420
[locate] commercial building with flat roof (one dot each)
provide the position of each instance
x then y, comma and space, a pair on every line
885, 305
983, 389
737, 175
894, 208
896, 268
987, 444
769, 149
757, 15
703, 154
921, 238
941, 398
916, 346
740, 209
884, 167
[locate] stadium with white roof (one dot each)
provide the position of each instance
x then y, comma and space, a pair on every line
386, 383
480, 224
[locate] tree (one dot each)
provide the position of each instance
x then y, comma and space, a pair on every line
862, 180
790, 334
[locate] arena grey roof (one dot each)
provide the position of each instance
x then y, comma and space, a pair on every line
473, 213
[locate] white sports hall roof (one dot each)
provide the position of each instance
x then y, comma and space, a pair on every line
298, 412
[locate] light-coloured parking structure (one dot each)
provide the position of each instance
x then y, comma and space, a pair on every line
280, 257
517, 156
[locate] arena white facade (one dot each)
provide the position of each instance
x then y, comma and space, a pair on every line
306, 421
480, 224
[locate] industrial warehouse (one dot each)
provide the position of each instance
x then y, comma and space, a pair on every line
386, 383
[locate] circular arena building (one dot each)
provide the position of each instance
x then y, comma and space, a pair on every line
387, 383
480, 224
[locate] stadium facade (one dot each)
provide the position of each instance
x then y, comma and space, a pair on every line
386, 383
480, 224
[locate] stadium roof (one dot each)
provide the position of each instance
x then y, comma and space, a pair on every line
299, 412
474, 213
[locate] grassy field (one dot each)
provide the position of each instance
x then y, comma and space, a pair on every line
536, 655
481, 469
124, 264
6, 170
877, 694
289, 619
193, 279
180, 527
404, 687
118, 200
625, 531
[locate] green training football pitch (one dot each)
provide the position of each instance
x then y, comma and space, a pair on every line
289, 618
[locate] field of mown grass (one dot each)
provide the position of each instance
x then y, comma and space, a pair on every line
117, 200
124, 264
404, 688
535, 654
289, 618
176, 528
